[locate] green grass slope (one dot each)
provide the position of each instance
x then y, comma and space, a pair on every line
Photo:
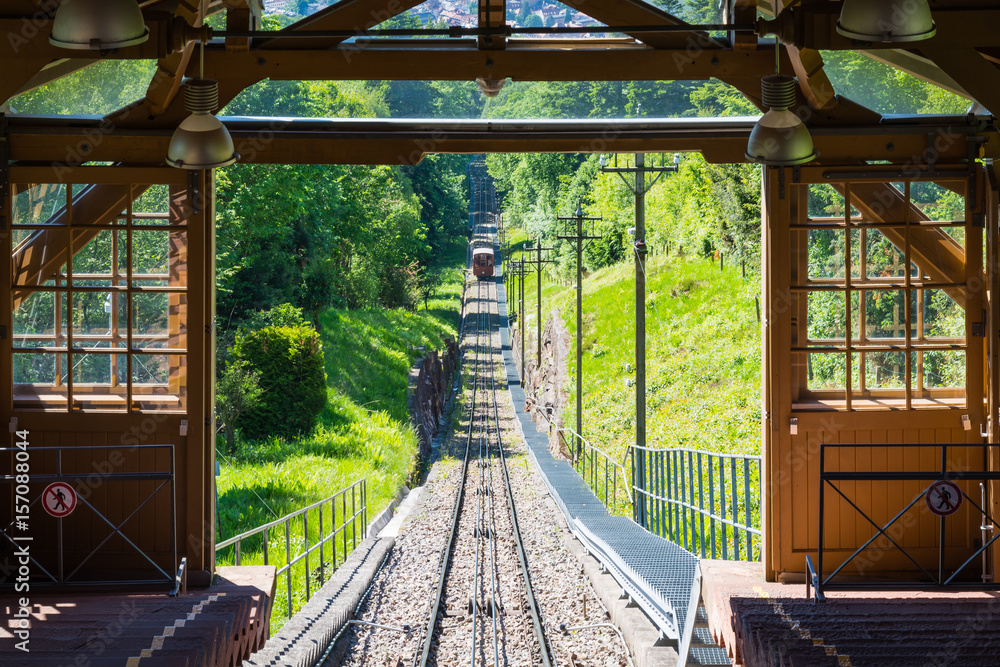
364, 433
703, 356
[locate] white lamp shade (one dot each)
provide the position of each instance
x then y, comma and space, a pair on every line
98, 25
201, 142
780, 139
886, 20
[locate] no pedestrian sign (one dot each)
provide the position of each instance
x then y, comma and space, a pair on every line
943, 498
59, 499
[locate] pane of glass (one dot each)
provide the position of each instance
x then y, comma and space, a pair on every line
825, 202
827, 253
99, 370
150, 256
944, 368
885, 370
43, 369
39, 256
40, 320
885, 314
153, 206
92, 264
828, 371
937, 202
159, 382
883, 259
827, 316
99, 319
35, 386
151, 369
38, 204
159, 320
942, 316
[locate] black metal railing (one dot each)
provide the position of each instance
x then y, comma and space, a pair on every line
706, 502
291, 548
606, 477
947, 474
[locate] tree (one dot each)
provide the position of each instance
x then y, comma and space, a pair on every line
239, 390
292, 380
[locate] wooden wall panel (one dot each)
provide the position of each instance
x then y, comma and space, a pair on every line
791, 484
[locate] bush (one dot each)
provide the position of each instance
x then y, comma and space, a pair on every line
289, 360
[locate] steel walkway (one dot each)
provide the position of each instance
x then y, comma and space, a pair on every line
659, 576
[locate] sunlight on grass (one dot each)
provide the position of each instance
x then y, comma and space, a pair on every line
364, 433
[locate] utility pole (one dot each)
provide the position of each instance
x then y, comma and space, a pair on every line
579, 237
639, 189
522, 270
538, 262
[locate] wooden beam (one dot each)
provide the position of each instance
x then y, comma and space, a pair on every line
917, 65
636, 12
374, 141
358, 15
976, 74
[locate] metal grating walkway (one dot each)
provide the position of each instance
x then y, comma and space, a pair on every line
663, 578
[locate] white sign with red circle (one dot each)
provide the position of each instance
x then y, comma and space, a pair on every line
943, 498
59, 499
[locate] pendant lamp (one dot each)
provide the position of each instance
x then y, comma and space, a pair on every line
780, 138
886, 20
201, 141
98, 25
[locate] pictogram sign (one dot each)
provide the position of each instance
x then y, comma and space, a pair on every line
59, 499
943, 498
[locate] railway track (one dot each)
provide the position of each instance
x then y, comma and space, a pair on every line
484, 610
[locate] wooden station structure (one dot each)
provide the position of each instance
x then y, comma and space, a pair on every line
134, 395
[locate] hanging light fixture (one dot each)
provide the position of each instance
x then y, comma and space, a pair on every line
201, 141
886, 20
780, 138
98, 25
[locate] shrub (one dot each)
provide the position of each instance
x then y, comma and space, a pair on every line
289, 360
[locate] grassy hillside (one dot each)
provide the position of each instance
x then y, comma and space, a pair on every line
364, 431
703, 355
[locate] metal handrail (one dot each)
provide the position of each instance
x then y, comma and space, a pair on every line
359, 510
687, 505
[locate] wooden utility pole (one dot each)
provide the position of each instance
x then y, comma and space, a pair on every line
538, 262
580, 238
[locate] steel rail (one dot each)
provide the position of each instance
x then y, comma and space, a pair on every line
456, 512
536, 614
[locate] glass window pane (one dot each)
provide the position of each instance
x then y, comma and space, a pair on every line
38, 204
159, 320
40, 320
150, 257
827, 316
937, 202
885, 370
943, 318
99, 369
944, 369
827, 254
99, 320
828, 371
93, 264
884, 260
159, 382
825, 202
885, 314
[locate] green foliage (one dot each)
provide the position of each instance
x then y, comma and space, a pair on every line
238, 390
290, 363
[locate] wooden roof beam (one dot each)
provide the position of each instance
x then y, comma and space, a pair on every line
636, 12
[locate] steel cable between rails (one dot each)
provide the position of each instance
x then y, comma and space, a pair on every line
422, 658
536, 614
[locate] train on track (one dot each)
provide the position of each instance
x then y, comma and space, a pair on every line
482, 263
